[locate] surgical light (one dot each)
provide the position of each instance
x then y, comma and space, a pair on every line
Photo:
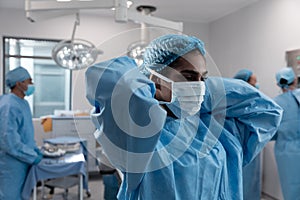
75, 54
136, 51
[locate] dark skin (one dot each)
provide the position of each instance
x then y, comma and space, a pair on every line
189, 67
252, 80
21, 87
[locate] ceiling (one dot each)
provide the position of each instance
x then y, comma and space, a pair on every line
177, 10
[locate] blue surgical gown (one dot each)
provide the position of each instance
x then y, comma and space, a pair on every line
287, 146
252, 179
17, 146
197, 157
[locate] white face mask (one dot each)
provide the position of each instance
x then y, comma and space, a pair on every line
186, 96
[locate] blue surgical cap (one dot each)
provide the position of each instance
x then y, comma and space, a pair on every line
243, 74
287, 74
164, 50
18, 74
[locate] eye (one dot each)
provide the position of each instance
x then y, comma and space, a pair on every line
189, 77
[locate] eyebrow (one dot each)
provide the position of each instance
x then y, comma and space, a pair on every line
190, 72
194, 72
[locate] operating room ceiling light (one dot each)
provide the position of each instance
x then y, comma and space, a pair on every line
75, 54
136, 51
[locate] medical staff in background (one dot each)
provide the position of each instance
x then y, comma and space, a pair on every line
173, 132
248, 76
18, 150
287, 146
252, 171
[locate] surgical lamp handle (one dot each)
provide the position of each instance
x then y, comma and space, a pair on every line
77, 22
145, 10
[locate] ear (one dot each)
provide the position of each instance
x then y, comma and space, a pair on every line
18, 84
163, 89
157, 81
21, 85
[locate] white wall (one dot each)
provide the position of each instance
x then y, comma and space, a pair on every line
199, 30
257, 37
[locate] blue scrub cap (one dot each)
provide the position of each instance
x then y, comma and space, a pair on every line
243, 74
287, 74
18, 74
164, 50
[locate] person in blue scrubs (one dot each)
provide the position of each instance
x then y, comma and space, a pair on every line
287, 143
247, 76
173, 132
18, 150
252, 171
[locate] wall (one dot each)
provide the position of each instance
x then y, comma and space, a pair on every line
257, 37
199, 30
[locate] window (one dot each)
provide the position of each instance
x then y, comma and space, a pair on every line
52, 83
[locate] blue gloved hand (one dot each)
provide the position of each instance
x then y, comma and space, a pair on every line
39, 158
38, 151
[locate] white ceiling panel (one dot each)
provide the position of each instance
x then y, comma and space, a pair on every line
177, 10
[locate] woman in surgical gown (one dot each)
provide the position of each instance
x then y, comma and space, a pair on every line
18, 150
287, 144
163, 150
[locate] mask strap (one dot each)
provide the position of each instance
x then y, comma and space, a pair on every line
164, 79
159, 75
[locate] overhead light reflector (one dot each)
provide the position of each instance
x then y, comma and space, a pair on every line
76, 54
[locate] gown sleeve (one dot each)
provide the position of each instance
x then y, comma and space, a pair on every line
248, 114
128, 118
